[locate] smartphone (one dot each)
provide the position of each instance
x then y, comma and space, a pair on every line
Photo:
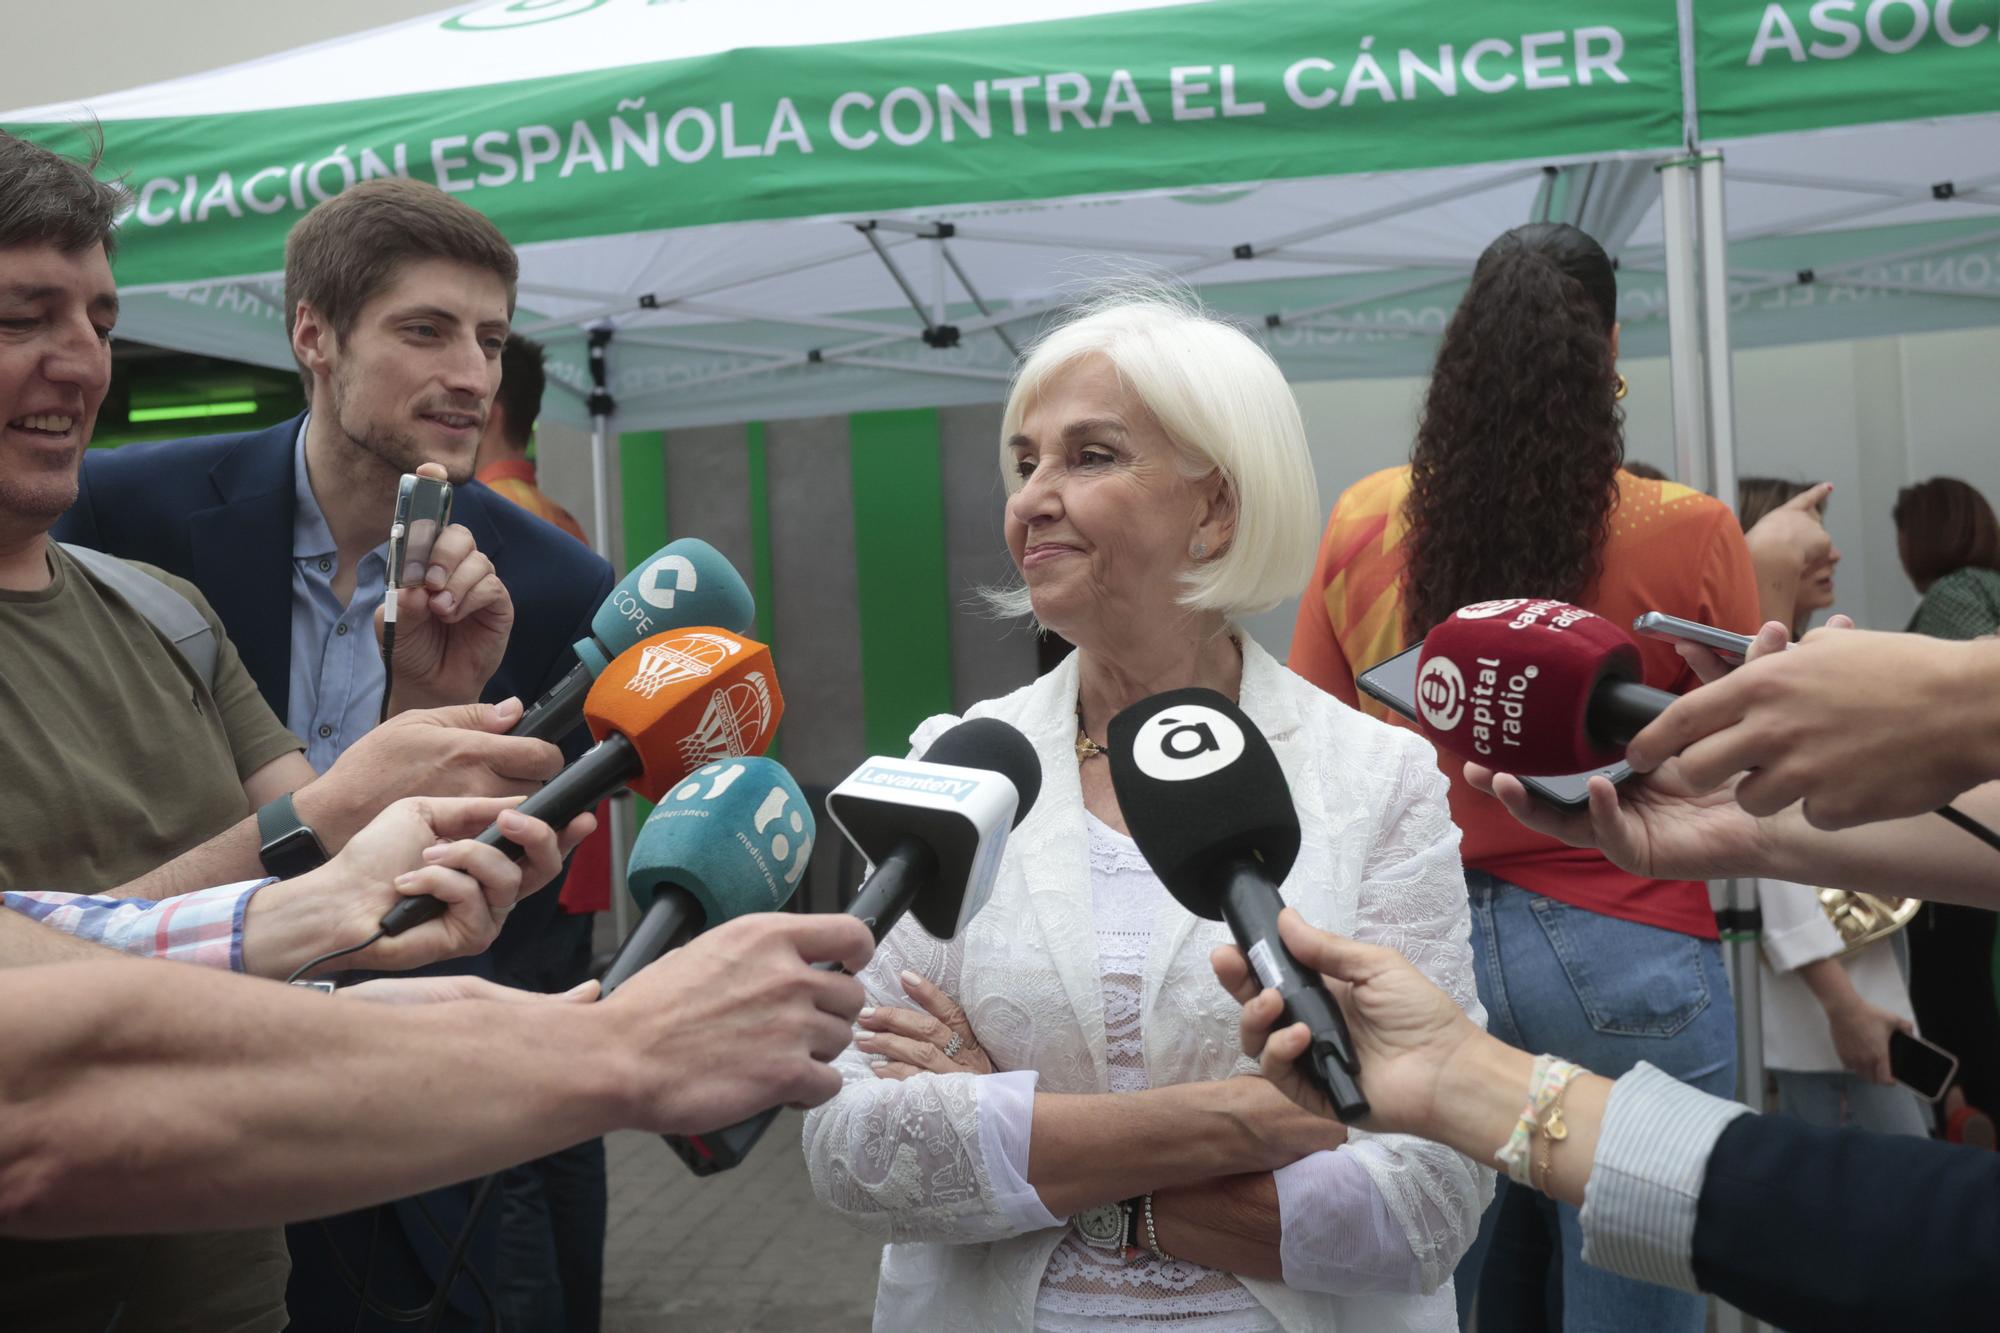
1394, 684
1731, 648
423, 508
1923, 1067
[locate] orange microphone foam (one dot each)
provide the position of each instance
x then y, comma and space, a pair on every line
686, 698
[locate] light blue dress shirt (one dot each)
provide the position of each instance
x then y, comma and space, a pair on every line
1645, 1182
337, 675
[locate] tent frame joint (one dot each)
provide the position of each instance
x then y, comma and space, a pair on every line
601, 403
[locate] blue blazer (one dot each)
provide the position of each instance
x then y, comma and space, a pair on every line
1841, 1231
219, 512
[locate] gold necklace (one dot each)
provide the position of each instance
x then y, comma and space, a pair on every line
1086, 748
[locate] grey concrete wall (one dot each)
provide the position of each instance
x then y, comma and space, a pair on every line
816, 626
708, 492
989, 656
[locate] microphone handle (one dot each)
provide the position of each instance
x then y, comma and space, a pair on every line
887, 894
673, 919
556, 713
899, 877
1250, 904
1621, 709
601, 770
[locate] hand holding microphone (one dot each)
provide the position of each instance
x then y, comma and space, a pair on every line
664, 707
685, 583
934, 829
1208, 805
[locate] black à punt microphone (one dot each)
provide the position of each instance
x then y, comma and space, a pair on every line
1208, 805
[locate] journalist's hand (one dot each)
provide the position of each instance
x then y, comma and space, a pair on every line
452, 622
458, 751
1406, 1031
739, 1020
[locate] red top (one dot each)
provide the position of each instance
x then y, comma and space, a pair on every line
1670, 549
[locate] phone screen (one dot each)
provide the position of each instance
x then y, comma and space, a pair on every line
1924, 1069
1394, 684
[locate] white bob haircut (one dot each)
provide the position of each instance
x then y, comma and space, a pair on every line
1225, 407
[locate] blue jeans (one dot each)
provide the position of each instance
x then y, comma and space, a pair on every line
1840, 1099
1607, 994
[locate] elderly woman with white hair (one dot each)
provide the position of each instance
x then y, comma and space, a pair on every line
1048, 1117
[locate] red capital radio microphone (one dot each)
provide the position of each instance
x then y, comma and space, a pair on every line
1533, 687
660, 710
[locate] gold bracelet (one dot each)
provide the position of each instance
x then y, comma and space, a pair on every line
1554, 1130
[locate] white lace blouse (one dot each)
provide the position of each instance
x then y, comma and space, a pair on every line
1082, 982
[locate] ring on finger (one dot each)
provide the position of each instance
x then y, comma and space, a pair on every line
954, 1046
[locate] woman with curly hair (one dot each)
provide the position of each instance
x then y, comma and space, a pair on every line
1515, 489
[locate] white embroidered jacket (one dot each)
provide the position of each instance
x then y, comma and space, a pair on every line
1378, 861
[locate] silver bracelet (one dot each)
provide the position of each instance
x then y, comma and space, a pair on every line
1152, 1234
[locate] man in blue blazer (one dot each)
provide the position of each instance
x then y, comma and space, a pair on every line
398, 302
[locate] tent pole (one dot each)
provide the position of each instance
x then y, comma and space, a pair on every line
1715, 325
1683, 322
1743, 925
602, 405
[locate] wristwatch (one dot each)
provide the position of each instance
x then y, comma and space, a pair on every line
289, 846
1109, 1226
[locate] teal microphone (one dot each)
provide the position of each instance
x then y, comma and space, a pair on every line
734, 838
685, 583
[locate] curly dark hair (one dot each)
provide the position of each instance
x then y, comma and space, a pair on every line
1511, 479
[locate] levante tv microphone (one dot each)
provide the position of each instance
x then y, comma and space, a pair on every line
934, 829
1208, 805
661, 709
685, 583
734, 838
1533, 687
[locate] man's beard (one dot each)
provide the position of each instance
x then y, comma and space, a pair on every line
397, 449
36, 499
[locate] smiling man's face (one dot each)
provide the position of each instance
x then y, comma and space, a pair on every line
57, 309
413, 380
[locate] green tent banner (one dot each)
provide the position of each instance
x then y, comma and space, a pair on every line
1167, 97
1764, 68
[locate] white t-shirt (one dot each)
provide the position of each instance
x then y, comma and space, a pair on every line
1797, 932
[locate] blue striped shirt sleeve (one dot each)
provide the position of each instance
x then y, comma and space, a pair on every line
1645, 1182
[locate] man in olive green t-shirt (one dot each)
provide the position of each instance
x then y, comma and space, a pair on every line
115, 755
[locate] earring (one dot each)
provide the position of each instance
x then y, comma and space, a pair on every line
1622, 387
1199, 550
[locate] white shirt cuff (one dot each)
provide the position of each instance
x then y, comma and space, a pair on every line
1645, 1182
1336, 1234
1006, 1123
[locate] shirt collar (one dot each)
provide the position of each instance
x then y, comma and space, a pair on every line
310, 535
508, 469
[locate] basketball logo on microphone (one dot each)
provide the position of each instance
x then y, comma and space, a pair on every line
1186, 742
735, 722
690, 657
1487, 610
1441, 688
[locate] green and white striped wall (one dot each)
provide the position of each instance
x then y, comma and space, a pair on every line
864, 538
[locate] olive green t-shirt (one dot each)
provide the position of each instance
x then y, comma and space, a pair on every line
115, 758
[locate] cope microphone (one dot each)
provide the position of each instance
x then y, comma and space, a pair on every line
685, 583
934, 829
1207, 803
661, 709
1533, 687
734, 838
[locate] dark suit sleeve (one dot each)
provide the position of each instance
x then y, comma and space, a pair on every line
1823, 1229
79, 522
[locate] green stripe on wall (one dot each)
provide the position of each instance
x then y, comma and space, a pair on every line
642, 498
899, 558
765, 631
